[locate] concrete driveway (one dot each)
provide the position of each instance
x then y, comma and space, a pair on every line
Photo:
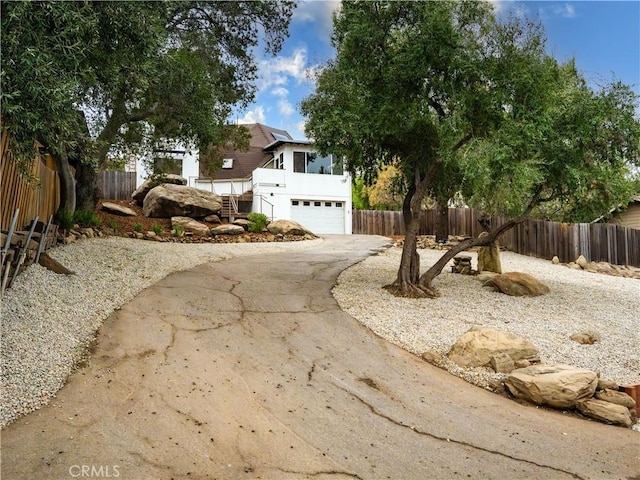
248, 369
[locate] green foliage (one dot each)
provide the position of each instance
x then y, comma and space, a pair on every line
178, 231
257, 222
64, 219
157, 228
359, 195
137, 227
113, 225
86, 218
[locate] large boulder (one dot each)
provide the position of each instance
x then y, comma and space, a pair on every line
605, 411
287, 227
118, 209
188, 224
141, 192
489, 257
517, 284
227, 229
479, 345
559, 386
170, 200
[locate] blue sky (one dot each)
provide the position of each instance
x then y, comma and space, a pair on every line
603, 36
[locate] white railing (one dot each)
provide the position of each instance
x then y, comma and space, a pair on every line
264, 200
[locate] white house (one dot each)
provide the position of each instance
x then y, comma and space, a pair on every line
280, 177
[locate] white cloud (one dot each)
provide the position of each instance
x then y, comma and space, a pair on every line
566, 11
301, 126
254, 116
280, 92
285, 108
278, 71
318, 12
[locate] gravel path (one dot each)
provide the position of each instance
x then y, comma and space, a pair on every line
578, 301
49, 320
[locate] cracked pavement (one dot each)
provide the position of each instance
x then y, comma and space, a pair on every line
247, 368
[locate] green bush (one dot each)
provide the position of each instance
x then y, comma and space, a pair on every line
257, 222
113, 225
86, 218
137, 227
178, 231
157, 228
65, 219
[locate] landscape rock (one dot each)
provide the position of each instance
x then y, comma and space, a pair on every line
287, 227
581, 261
605, 411
483, 277
489, 257
477, 346
613, 396
588, 337
559, 386
118, 209
517, 284
604, 384
555, 260
140, 193
212, 219
227, 229
244, 223
502, 363
170, 200
189, 225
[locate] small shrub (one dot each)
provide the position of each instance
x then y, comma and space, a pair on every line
157, 228
137, 227
86, 218
178, 231
65, 219
113, 225
257, 222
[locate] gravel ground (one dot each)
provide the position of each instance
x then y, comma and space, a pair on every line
578, 301
49, 320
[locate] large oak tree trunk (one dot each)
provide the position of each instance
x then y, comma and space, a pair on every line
67, 181
442, 220
406, 283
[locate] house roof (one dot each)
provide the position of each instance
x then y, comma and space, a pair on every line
634, 199
245, 162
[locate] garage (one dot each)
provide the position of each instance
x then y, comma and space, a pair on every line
319, 216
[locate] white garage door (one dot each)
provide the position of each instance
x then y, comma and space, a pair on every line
319, 216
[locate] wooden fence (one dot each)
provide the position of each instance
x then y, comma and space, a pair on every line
116, 185
596, 241
39, 197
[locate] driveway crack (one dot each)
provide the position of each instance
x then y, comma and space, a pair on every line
375, 411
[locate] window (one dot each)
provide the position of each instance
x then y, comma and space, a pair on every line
227, 163
295, 202
279, 136
299, 162
167, 165
312, 162
306, 204
317, 204
339, 204
279, 162
327, 204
